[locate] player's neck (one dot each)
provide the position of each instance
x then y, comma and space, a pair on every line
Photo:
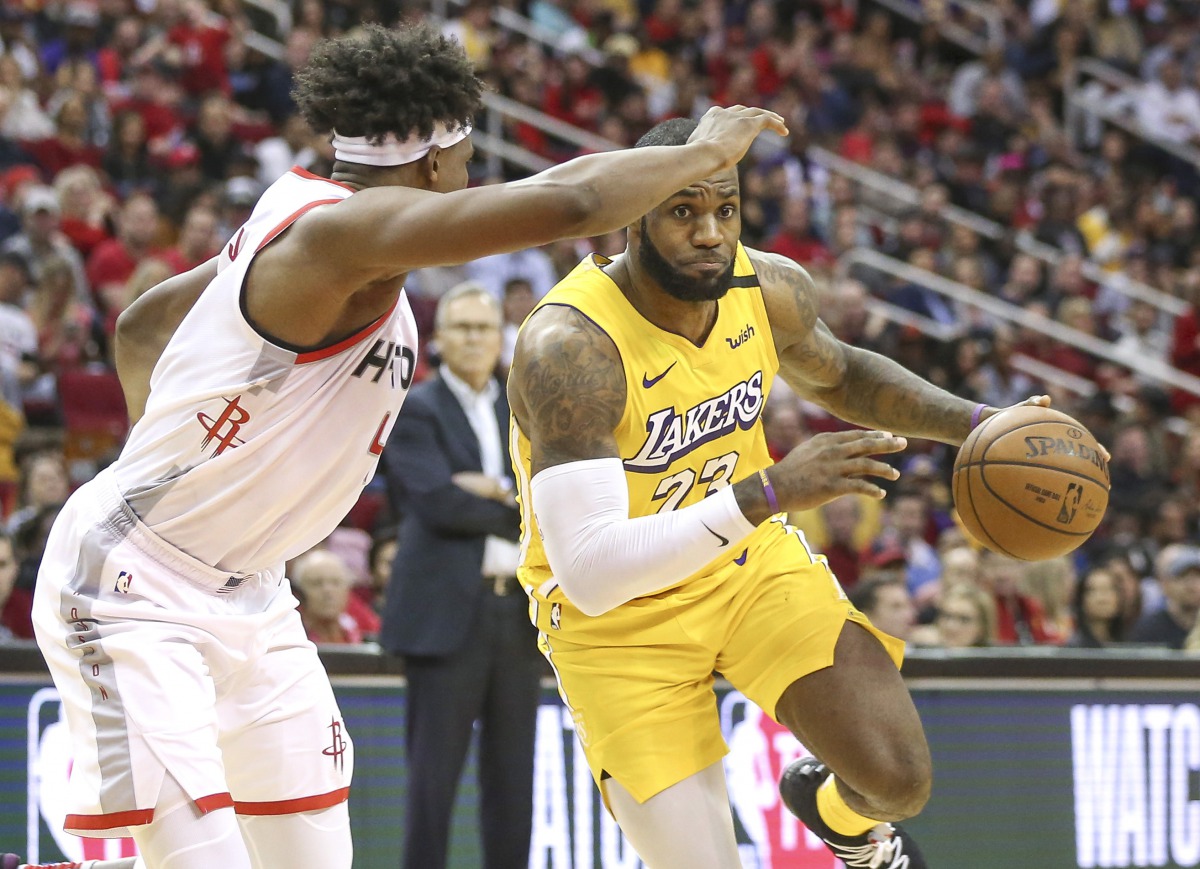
691, 320
361, 177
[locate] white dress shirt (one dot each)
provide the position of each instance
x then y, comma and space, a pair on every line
500, 556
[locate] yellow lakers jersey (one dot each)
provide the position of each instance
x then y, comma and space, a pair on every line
693, 415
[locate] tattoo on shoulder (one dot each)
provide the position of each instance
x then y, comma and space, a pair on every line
573, 386
791, 284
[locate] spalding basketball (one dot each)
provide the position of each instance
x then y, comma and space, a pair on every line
1031, 483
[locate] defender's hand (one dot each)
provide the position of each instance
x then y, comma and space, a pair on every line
830, 465
734, 129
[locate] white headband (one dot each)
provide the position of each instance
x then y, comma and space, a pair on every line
390, 151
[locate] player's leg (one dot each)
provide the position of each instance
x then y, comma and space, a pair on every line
803, 654
318, 838
858, 718
686, 826
183, 837
288, 757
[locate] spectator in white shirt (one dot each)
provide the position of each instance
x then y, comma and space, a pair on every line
1169, 109
292, 147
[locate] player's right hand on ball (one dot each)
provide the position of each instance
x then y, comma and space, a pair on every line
734, 129
830, 465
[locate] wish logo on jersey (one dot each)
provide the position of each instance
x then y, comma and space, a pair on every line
671, 436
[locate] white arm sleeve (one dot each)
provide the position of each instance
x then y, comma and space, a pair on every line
601, 557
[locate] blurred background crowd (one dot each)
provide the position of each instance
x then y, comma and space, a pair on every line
1000, 195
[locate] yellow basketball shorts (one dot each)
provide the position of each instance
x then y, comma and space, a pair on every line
639, 679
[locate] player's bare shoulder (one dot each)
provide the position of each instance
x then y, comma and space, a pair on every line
567, 386
789, 293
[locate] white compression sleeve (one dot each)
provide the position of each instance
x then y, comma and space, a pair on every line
603, 558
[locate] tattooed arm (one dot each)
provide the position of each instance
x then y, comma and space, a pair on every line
566, 388
854, 384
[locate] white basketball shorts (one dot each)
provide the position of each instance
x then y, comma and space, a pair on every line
166, 665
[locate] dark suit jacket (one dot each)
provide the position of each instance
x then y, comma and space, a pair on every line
436, 578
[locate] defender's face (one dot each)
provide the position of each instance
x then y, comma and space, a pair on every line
688, 243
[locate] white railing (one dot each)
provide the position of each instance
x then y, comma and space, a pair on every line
1150, 369
988, 15
945, 333
908, 196
1095, 90
493, 144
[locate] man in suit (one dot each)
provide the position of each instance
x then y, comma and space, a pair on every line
454, 608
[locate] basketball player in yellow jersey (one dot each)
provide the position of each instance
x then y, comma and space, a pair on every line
656, 542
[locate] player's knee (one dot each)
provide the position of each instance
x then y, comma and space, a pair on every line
900, 787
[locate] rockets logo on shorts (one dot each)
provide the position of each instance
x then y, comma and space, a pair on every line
337, 745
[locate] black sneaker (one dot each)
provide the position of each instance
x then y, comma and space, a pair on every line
886, 846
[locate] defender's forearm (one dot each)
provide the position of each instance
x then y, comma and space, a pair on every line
881, 394
625, 185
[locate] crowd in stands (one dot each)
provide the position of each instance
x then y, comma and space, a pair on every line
135, 137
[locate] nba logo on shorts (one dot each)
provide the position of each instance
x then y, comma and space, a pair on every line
124, 579
759, 749
50, 758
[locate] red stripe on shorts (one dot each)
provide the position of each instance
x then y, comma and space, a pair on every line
212, 802
291, 807
112, 820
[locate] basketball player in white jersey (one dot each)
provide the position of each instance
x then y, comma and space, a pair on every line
202, 721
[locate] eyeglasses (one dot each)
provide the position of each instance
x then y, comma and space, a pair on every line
468, 328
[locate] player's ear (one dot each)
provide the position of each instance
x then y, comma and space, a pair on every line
431, 164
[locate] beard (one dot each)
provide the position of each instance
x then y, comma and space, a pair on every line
680, 286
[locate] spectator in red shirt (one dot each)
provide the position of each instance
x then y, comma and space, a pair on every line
198, 38
155, 95
1020, 620
796, 239
15, 604
324, 581
113, 261
198, 240
84, 207
69, 145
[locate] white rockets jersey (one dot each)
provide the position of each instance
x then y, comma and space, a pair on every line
250, 453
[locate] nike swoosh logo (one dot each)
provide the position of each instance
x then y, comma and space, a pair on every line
741, 559
647, 382
724, 540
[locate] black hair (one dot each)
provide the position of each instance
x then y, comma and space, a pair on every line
865, 595
673, 131
401, 81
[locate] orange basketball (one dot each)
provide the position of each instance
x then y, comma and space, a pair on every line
1031, 483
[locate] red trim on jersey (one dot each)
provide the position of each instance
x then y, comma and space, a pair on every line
292, 218
291, 807
112, 820
312, 176
212, 802
345, 343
